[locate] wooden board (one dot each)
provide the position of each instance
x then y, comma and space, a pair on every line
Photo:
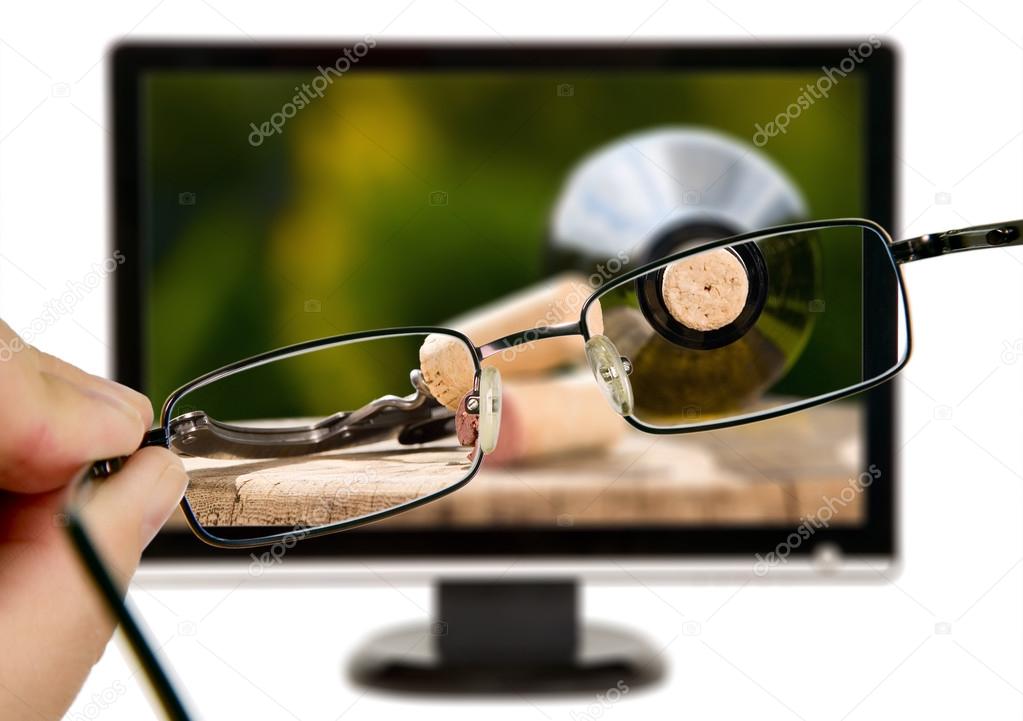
764, 473
321, 489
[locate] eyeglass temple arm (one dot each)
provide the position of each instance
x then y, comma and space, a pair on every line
417, 417
110, 466
952, 241
522, 337
169, 699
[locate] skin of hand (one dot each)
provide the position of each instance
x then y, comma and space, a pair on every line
55, 419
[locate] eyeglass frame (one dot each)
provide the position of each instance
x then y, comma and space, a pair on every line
900, 252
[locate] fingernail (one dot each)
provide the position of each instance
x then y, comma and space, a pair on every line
112, 400
164, 496
124, 393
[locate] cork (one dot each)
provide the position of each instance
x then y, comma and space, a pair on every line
706, 291
447, 368
554, 415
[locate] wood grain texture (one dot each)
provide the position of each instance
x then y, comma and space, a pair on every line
322, 489
763, 473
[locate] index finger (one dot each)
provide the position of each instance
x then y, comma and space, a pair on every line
50, 426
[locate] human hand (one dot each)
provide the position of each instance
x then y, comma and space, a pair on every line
54, 420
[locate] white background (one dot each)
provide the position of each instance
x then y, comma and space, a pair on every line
811, 652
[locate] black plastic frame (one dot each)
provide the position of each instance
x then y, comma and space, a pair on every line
131, 61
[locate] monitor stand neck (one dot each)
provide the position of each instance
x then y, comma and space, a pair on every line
503, 637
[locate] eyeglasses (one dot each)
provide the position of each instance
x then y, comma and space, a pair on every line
726, 333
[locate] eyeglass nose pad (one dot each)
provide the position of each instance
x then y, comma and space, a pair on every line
612, 375
490, 408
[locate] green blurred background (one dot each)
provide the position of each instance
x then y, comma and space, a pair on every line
335, 225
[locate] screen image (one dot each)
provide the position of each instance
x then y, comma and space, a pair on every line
273, 215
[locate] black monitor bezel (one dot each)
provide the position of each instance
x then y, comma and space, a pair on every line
876, 538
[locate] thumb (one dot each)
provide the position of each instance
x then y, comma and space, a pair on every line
51, 621
128, 508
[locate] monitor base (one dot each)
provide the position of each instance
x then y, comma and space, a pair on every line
405, 661
502, 638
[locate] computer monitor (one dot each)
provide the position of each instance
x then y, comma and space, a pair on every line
269, 194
